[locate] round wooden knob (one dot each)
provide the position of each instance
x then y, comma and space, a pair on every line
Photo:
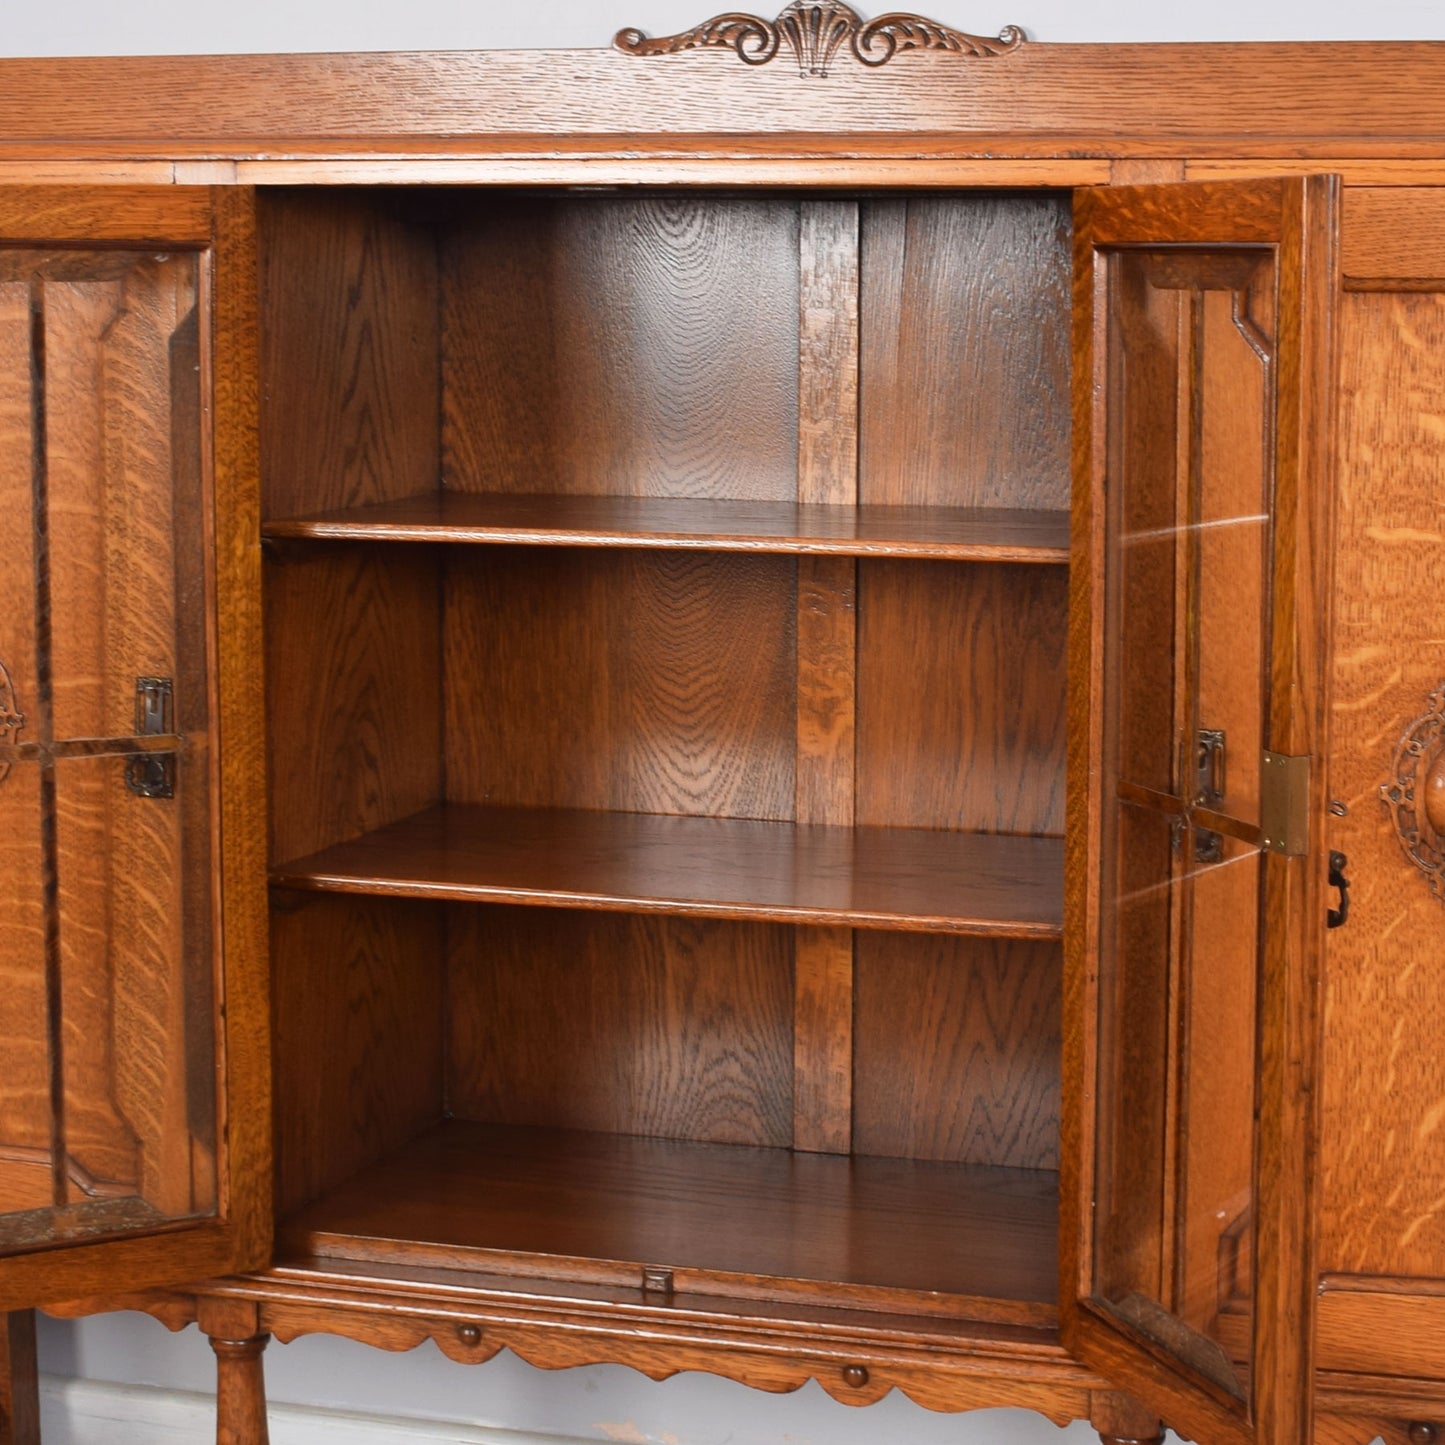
856, 1376
469, 1334
1421, 1432
1433, 803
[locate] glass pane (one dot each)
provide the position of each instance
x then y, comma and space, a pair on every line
107, 1086
1189, 487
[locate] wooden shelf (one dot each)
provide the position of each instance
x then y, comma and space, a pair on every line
893, 878
925, 1238
985, 534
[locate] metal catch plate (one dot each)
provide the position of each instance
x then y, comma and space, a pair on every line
1284, 804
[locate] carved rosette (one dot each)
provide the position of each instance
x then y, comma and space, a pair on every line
1415, 794
815, 33
12, 720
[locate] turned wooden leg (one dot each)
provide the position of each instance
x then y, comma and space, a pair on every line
1122, 1420
19, 1382
240, 1391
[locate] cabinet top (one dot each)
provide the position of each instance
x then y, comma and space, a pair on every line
705, 105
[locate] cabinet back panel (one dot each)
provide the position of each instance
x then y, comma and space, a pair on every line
357, 1036
655, 682
639, 347
965, 350
349, 345
621, 1024
960, 696
353, 678
957, 1049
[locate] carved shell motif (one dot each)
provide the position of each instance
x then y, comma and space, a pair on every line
1415, 794
12, 720
815, 33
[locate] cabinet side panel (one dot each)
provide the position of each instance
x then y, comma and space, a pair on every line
957, 1049
352, 693
654, 682
622, 1024
349, 342
358, 1036
634, 347
1382, 1177
960, 696
965, 351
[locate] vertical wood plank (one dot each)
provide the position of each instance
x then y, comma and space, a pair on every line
19, 1384
823, 1040
827, 659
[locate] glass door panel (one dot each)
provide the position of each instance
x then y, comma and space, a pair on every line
1190, 341
108, 1107
1201, 381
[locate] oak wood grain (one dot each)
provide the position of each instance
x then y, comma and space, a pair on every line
19, 1380
597, 345
353, 670
632, 680
350, 306
1239, 98
824, 1009
1393, 235
957, 1046
977, 884
962, 727
1382, 1178
965, 351
621, 1024
759, 1223
966, 534
357, 1035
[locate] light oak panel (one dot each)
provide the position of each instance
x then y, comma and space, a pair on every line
633, 347
961, 725
1382, 1179
653, 682
957, 1046
620, 1023
1393, 234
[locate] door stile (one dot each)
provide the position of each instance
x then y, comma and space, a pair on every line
1290, 1023
186, 428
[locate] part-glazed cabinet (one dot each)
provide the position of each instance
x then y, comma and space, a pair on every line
766, 702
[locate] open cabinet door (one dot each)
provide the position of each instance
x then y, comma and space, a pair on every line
134, 1079
1196, 881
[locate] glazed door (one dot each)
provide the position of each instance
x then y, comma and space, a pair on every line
133, 1094
1197, 888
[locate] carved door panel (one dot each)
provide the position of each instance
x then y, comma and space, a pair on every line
130, 1080
1197, 876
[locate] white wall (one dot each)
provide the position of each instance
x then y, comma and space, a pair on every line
603, 1403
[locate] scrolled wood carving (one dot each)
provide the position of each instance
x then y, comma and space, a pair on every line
1415, 793
815, 33
12, 720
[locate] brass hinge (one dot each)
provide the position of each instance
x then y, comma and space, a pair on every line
1284, 792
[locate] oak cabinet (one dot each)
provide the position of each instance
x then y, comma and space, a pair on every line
781, 694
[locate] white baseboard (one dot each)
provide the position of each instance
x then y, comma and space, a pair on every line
95, 1412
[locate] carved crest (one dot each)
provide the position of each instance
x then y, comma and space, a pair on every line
12, 720
815, 33
1415, 793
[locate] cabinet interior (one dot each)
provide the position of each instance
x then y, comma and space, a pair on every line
666, 601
